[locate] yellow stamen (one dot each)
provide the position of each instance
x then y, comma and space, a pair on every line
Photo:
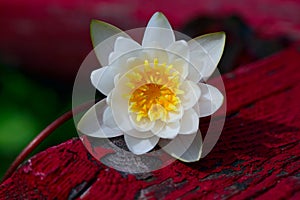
156, 87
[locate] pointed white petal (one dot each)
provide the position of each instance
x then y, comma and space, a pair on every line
206, 52
169, 131
108, 99
199, 63
123, 46
133, 62
210, 101
175, 116
143, 125
158, 32
112, 57
160, 54
125, 62
189, 122
157, 112
191, 94
140, 146
119, 106
182, 66
98, 122
103, 38
214, 45
139, 134
109, 122
159, 125
103, 79
178, 49
186, 148
116, 78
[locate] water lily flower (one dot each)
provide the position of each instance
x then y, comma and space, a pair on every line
155, 90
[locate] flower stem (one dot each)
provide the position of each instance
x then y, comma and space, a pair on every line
44, 134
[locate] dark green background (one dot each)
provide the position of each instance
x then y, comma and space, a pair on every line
27, 105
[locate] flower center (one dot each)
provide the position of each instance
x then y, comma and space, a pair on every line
155, 92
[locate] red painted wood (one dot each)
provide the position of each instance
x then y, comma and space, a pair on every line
257, 155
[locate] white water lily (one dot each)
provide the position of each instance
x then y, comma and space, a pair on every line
153, 89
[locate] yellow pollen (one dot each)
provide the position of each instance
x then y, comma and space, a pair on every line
156, 89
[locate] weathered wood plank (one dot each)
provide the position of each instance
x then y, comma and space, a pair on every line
257, 156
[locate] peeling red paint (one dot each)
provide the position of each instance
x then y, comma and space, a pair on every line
257, 155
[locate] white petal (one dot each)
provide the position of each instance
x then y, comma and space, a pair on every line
206, 52
191, 94
158, 32
159, 125
103, 38
143, 125
112, 57
178, 49
214, 44
98, 122
116, 78
210, 101
199, 62
139, 134
126, 62
182, 66
123, 46
119, 106
108, 120
150, 54
175, 116
157, 112
133, 62
189, 122
186, 148
103, 79
108, 98
169, 131
140, 146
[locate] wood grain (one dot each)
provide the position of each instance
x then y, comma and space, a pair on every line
257, 155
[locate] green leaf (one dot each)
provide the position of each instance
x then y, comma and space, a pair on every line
103, 37
100, 31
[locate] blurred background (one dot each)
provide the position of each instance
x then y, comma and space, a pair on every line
42, 44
